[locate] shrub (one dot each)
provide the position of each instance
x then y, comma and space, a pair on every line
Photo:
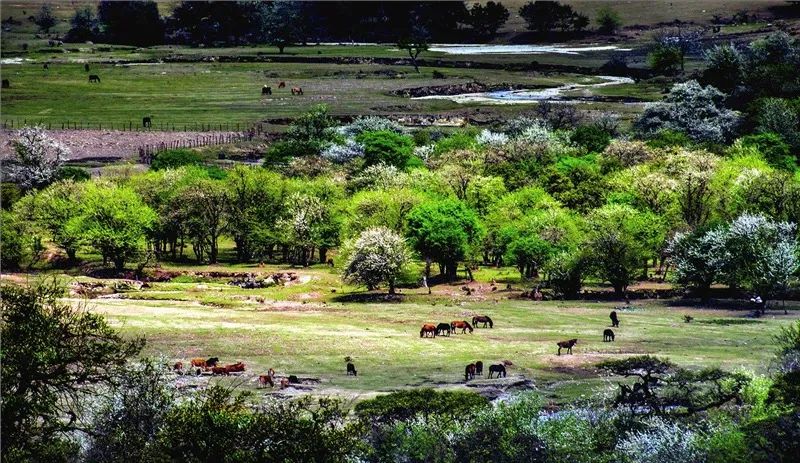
489, 138
12, 244
385, 147
370, 124
623, 154
403, 405
343, 153
668, 138
172, 159
608, 20
456, 142
775, 151
591, 138
662, 442
779, 116
73, 173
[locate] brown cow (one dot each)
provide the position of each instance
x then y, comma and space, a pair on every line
220, 371
178, 366
265, 380
297, 90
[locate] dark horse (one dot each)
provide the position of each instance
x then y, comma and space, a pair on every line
6, 83
86, 67
500, 369
469, 372
266, 90
297, 90
427, 328
463, 324
479, 368
147, 121
94, 78
614, 319
351, 369
567, 345
482, 319
443, 328
608, 335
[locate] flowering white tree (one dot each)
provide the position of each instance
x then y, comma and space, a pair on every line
343, 153
662, 441
370, 124
39, 157
700, 259
305, 214
378, 255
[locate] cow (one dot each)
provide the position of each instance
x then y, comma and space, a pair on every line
351, 369
266, 90
94, 78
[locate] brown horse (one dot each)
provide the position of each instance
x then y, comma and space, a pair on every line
427, 328
469, 372
482, 319
297, 90
178, 366
199, 362
463, 324
567, 345
282, 84
266, 380
479, 368
500, 369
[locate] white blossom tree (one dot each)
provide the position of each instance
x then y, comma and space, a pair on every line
378, 255
700, 259
38, 158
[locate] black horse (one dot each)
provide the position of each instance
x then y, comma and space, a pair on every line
351, 369
443, 328
94, 78
86, 67
266, 90
608, 335
147, 121
212, 362
500, 369
479, 368
614, 319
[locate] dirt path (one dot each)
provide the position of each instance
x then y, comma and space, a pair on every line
106, 144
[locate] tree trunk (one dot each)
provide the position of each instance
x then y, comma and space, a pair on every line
119, 263
323, 255
391, 286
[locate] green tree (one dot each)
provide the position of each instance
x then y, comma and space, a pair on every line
529, 253
114, 221
608, 20
57, 208
84, 25
45, 18
414, 44
131, 22
54, 356
487, 19
386, 147
282, 24
665, 59
443, 231
172, 159
205, 210
13, 241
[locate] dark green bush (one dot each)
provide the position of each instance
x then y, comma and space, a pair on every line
406, 404
775, 150
9, 194
668, 138
172, 159
591, 138
386, 147
73, 173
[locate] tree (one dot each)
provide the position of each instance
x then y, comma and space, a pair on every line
378, 255
38, 158
172, 159
57, 208
415, 44
697, 111
303, 224
529, 253
485, 20
700, 258
55, 356
13, 245
45, 18
777, 115
679, 42
620, 240
131, 22
665, 59
386, 147
443, 231
115, 221
282, 24
692, 173
725, 67
608, 20
543, 16
205, 205
84, 25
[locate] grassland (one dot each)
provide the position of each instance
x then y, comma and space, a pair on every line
307, 329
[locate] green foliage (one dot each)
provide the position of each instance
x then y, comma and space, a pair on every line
591, 137
529, 253
172, 159
455, 142
668, 138
10, 193
13, 242
773, 148
608, 20
665, 59
386, 147
73, 173
54, 357
45, 18
403, 405
575, 182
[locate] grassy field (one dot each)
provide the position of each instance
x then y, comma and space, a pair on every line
307, 329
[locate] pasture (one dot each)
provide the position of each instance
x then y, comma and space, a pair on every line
307, 330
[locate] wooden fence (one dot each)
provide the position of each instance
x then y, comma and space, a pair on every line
149, 151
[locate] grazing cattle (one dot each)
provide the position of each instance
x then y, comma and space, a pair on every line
500, 369
266, 90
199, 362
463, 324
443, 328
178, 366
479, 368
614, 319
266, 380
608, 335
282, 84
427, 329
297, 91
482, 319
351, 369
6, 83
147, 121
469, 372
86, 67
94, 78
567, 345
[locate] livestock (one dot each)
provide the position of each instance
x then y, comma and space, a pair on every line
178, 366
351, 369
86, 67
443, 328
212, 362
282, 84
265, 380
266, 90
94, 78
235, 368
614, 319
469, 372
608, 335
462, 324
427, 328
482, 319
198, 362
567, 345
147, 121
297, 90
46, 67
479, 368
500, 369
6, 83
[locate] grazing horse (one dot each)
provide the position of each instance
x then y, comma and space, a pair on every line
469, 372
443, 328
479, 368
178, 366
482, 319
614, 319
500, 369
265, 380
351, 369
567, 345
86, 67
282, 84
147, 121
212, 362
266, 90
297, 90
6, 83
94, 78
428, 328
608, 335
463, 324
46, 67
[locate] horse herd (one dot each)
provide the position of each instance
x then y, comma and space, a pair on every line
473, 369
267, 90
